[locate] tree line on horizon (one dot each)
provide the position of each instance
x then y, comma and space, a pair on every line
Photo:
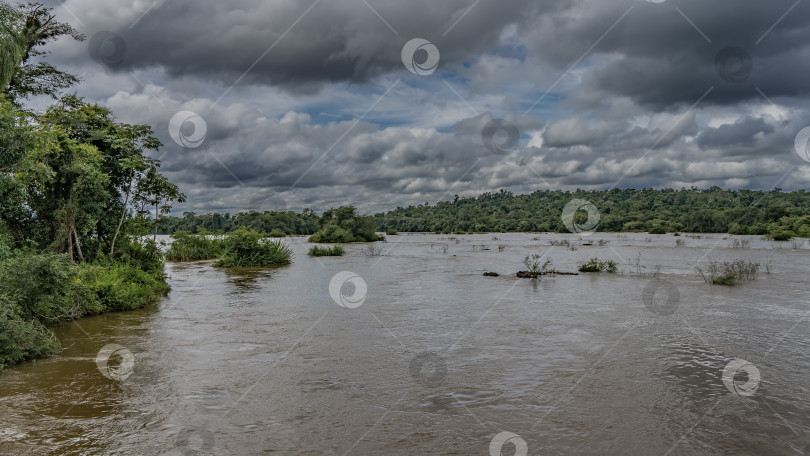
773, 213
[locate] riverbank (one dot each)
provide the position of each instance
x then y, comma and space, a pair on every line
40, 291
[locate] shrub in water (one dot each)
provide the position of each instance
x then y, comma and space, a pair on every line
728, 273
318, 251
597, 265
247, 248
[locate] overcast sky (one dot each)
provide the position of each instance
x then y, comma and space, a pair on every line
316, 104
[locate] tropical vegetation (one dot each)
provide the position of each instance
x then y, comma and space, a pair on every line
78, 195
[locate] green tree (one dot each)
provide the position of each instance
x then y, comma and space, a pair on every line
26, 29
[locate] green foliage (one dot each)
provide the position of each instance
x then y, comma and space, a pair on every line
779, 234
728, 273
275, 223
24, 29
67, 177
46, 288
332, 234
140, 253
335, 250
391, 232
21, 340
658, 229
277, 233
122, 287
247, 248
189, 247
597, 265
343, 225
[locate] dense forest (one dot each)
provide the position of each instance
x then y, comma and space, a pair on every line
713, 210
78, 195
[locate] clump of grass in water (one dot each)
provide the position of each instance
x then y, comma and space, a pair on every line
247, 248
597, 265
680, 243
728, 273
374, 250
317, 251
190, 247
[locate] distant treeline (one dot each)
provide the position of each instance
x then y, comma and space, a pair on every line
714, 210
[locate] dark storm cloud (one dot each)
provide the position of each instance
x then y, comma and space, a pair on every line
334, 41
743, 132
658, 58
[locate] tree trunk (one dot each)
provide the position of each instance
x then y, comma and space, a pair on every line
157, 205
78, 245
70, 246
123, 215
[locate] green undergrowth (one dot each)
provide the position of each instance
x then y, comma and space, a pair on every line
41, 290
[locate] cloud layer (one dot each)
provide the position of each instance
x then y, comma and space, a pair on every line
310, 101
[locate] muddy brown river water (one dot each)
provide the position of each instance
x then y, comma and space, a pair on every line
430, 357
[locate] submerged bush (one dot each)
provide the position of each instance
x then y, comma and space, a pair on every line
336, 250
189, 247
247, 248
728, 273
597, 265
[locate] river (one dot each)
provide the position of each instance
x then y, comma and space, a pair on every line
428, 356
